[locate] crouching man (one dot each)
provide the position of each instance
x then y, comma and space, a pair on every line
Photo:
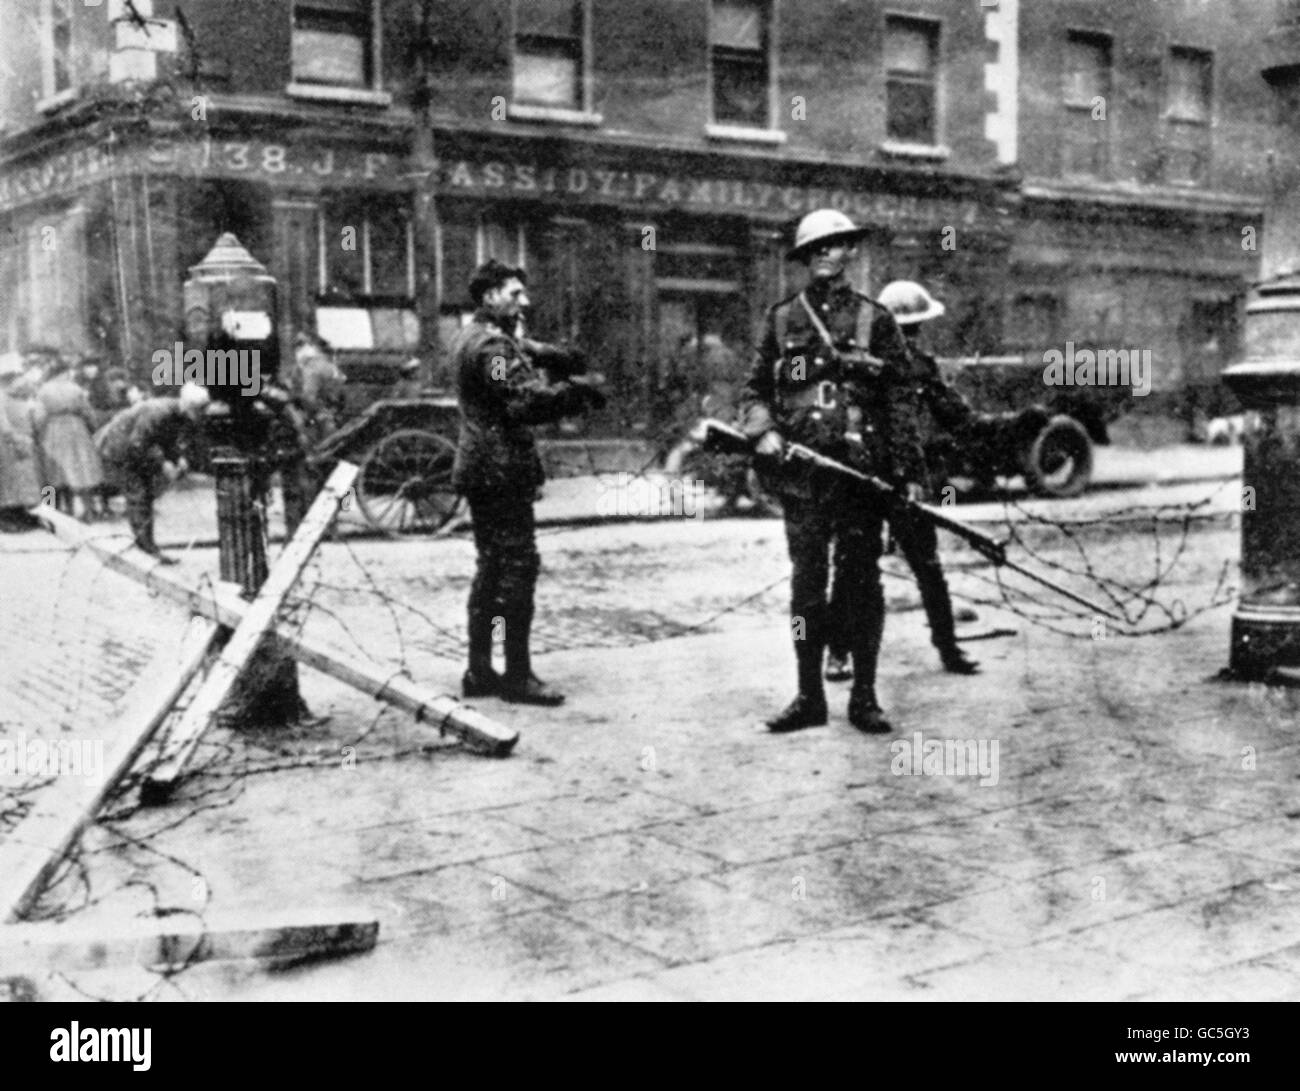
147, 442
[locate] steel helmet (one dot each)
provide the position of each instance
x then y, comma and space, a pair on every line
818, 226
910, 303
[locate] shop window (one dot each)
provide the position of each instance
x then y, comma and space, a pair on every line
550, 61
911, 80
366, 249
1189, 97
334, 43
739, 50
1086, 149
467, 242
1035, 322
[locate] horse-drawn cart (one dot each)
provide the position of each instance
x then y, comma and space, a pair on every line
405, 448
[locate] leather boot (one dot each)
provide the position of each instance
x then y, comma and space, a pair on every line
864, 709
480, 679
519, 684
956, 661
145, 543
865, 713
808, 709
938, 611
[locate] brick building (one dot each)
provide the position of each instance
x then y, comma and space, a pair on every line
645, 161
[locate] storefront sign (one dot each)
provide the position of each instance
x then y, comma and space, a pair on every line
270, 161
659, 190
258, 160
60, 173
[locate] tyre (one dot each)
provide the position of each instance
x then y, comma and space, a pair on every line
1059, 460
405, 483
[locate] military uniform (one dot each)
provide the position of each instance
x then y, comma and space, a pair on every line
134, 444
285, 441
498, 470
941, 414
850, 406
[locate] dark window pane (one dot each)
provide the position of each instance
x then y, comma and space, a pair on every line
911, 111
388, 250
1087, 68
1085, 151
459, 237
345, 248
61, 33
740, 91
1034, 321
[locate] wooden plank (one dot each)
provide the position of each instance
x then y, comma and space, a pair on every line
249, 633
221, 603
65, 808
275, 938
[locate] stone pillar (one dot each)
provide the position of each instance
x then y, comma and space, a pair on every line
1266, 624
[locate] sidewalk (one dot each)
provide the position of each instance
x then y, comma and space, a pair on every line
186, 516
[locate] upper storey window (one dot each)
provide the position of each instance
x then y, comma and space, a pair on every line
740, 63
911, 80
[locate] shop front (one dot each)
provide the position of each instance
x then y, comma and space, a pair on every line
96, 239
661, 263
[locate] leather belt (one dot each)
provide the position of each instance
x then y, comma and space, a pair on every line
823, 395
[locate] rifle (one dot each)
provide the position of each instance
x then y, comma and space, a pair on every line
566, 363
717, 436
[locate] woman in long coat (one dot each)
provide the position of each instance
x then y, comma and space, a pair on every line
20, 483
66, 423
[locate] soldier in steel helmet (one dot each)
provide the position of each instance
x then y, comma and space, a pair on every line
940, 414
829, 374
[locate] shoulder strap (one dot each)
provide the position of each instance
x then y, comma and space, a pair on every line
818, 324
780, 327
866, 319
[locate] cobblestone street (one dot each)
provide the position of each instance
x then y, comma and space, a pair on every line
651, 840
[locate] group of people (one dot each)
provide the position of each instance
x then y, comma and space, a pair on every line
835, 371
50, 408
75, 435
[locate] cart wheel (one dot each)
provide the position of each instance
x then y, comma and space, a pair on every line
1059, 462
405, 483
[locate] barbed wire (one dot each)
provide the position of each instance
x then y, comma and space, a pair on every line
1064, 546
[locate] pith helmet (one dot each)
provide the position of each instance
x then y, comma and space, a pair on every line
910, 303
818, 226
